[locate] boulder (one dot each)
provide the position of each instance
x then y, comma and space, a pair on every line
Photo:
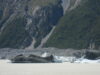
19, 59
92, 55
32, 59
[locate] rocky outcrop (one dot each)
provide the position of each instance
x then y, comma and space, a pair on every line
43, 20
93, 55
69, 5
32, 59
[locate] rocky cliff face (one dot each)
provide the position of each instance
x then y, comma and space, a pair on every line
69, 5
69, 24
24, 23
43, 21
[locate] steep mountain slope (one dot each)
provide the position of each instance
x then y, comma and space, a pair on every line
32, 24
78, 28
23, 20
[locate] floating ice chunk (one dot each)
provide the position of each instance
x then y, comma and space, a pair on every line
44, 54
87, 61
64, 59
61, 59
5, 61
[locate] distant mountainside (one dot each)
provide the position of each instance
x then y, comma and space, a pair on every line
32, 24
78, 28
23, 22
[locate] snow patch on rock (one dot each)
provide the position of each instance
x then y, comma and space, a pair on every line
32, 44
65, 4
35, 10
44, 40
75, 5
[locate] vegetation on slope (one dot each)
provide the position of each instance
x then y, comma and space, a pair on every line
78, 28
14, 34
